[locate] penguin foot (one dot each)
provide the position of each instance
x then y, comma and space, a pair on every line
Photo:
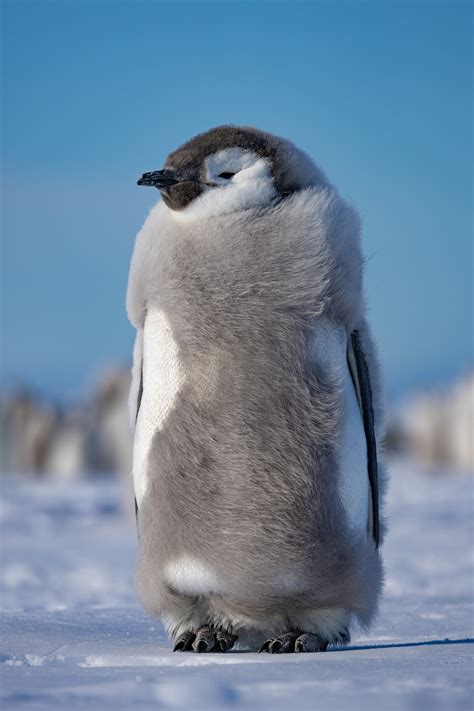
294, 642
206, 639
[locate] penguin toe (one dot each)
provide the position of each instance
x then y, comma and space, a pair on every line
184, 642
265, 646
205, 640
310, 643
225, 640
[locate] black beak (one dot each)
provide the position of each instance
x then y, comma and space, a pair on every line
160, 179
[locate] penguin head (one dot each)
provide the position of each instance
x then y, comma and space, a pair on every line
230, 168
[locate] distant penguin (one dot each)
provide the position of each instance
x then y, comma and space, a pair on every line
256, 402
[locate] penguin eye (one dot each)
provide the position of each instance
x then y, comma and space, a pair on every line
225, 175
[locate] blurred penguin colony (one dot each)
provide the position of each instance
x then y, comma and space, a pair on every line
41, 438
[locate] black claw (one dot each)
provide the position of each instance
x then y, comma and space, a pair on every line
201, 646
265, 646
275, 647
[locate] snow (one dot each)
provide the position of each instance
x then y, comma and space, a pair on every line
73, 635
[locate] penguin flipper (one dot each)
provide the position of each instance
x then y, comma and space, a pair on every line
361, 377
139, 400
136, 387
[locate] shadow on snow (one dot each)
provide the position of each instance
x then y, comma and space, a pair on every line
400, 645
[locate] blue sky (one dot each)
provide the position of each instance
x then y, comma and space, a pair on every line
95, 93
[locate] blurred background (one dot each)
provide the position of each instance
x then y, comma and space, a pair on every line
95, 93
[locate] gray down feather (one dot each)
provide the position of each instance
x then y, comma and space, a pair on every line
243, 474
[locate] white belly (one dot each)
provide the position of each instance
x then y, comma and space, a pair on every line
162, 380
329, 348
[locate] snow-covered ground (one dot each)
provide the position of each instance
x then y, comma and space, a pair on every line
74, 637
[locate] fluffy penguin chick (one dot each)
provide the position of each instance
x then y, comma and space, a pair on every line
256, 402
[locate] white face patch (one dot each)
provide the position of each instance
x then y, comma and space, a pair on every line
250, 185
162, 380
230, 160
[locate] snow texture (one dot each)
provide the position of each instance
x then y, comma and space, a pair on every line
74, 637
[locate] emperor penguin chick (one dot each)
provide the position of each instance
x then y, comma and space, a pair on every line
256, 402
